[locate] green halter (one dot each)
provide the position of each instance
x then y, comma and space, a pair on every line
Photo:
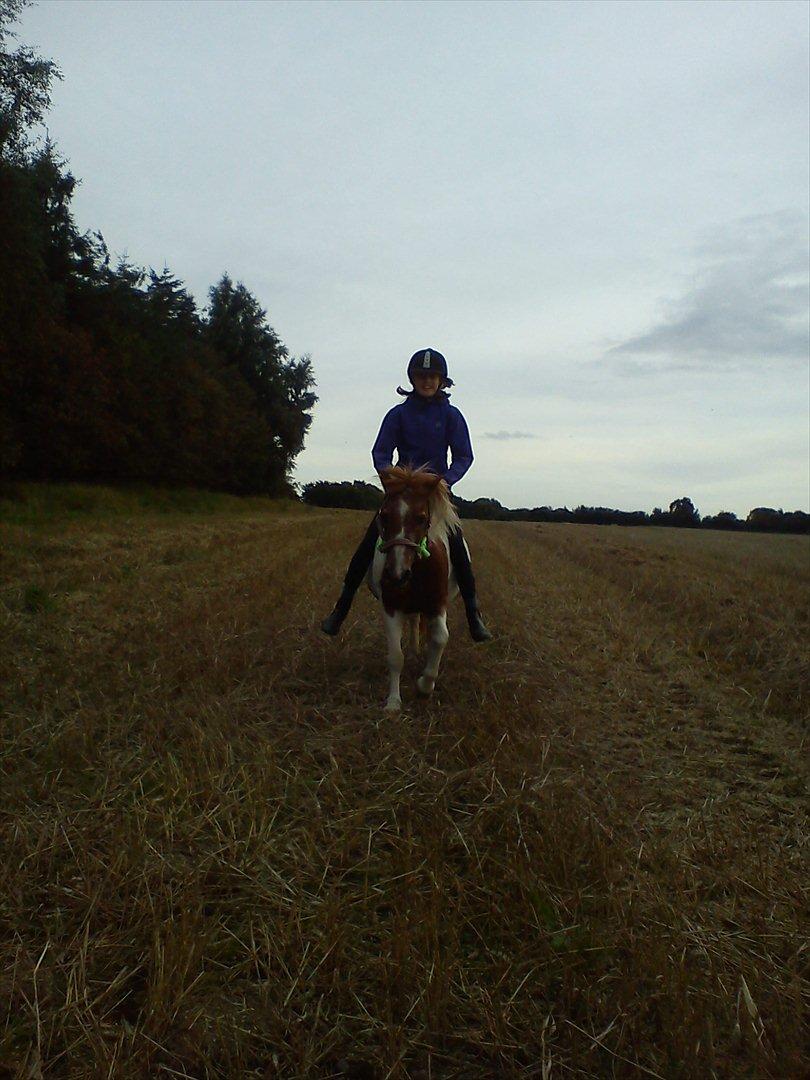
421, 548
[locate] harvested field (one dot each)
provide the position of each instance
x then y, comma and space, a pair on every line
584, 857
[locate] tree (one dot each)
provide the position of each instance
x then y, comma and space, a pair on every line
25, 87
111, 372
170, 302
724, 520
238, 330
358, 495
682, 513
764, 519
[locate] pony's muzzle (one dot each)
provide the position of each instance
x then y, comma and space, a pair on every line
397, 577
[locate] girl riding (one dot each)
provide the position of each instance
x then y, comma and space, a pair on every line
421, 429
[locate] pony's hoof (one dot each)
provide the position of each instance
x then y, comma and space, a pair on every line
425, 685
393, 705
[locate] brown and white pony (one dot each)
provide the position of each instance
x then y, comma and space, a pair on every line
411, 573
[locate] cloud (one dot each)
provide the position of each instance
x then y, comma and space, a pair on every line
746, 306
503, 435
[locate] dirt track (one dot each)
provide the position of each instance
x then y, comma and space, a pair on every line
583, 857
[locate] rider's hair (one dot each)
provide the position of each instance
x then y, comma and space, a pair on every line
409, 393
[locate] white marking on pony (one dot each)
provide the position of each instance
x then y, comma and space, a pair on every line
438, 636
393, 634
375, 572
399, 551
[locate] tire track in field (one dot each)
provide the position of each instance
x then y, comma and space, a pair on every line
704, 795
742, 607
710, 795
654, 712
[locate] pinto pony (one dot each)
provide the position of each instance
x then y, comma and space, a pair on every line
411, 573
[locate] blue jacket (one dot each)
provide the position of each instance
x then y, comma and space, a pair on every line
422, 431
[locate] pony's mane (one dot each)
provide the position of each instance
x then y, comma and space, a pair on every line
443, 515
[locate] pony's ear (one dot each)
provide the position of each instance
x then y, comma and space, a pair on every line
387, 478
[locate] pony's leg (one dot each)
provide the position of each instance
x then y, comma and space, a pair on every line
393, 633
415, 642
437, 638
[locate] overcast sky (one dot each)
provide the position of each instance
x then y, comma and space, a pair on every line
597, 211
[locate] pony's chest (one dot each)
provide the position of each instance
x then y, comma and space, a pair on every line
425, 592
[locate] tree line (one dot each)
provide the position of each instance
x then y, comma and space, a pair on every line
682, 513
110, 371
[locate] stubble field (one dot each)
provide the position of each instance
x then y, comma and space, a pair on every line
584, 857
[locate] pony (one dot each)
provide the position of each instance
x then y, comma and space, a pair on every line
411, 573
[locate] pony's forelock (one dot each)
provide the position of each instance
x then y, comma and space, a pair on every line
398, 479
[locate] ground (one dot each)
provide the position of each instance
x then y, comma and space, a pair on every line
221, 858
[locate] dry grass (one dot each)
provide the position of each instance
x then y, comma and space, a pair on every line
222, 859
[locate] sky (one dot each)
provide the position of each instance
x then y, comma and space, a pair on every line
598, 212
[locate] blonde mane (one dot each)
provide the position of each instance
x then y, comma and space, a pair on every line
443, 515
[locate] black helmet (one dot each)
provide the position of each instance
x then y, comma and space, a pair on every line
429, 360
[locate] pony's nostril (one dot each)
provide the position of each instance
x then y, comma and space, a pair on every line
394, 577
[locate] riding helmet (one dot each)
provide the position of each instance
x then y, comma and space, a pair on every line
429, 360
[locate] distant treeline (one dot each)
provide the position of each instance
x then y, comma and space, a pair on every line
111, 372
360, 495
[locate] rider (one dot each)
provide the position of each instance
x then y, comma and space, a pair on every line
422, 429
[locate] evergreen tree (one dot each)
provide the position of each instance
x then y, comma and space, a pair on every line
111, 372
25, 87
237, 328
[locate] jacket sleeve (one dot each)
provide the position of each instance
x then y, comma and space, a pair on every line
382, 452
461, 453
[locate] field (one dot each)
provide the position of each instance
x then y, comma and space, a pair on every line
584, 857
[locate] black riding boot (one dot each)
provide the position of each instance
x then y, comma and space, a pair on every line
478, 632
361, 560
460, 559
334, 620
